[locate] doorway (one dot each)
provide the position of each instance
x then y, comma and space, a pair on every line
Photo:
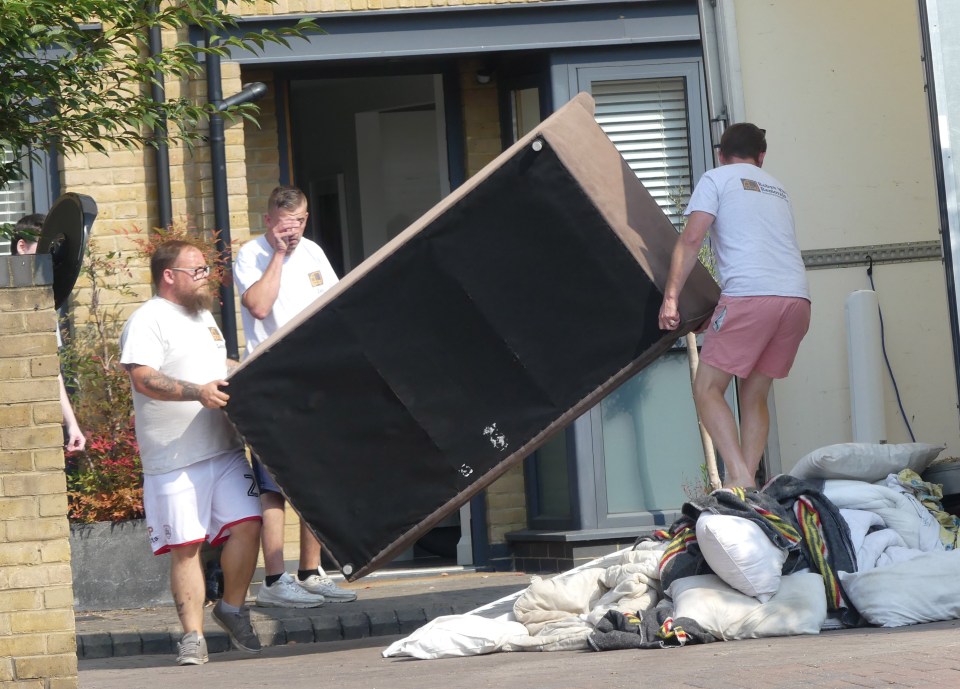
370, 152
400, 170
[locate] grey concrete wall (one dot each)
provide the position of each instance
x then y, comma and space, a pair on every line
114, 568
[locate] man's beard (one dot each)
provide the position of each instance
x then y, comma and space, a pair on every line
197, 301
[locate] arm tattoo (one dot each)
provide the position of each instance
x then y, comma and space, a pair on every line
190, 391
167, 386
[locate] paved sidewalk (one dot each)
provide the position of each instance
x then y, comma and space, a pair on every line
919, 656
387, 604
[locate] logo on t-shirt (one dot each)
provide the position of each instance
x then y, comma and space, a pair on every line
316, 278
217, 337
753, 185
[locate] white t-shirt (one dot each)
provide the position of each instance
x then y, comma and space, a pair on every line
753, 235
172, 435
306, 275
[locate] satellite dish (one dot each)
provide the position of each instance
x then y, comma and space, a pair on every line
64, 236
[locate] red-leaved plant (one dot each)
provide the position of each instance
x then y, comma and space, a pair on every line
104, 480
105, 483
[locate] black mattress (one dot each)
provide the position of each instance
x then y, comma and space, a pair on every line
460, 347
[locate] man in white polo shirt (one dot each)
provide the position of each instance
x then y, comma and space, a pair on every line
278, 275
764, 309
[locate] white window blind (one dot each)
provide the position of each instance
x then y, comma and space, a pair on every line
647, 121
15, 201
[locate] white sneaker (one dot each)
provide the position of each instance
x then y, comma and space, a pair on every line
286, 593
325, 587
192, 650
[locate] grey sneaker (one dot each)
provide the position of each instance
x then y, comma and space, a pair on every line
192, 650
325, 587
285, 593
237, 626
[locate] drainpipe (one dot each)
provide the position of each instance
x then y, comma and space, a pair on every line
157, 93
221, 209
729, 48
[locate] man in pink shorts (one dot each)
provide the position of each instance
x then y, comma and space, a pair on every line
764, 308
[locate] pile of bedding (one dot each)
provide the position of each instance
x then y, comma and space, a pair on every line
852, 536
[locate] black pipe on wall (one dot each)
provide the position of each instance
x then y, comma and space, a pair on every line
162, 161
221, 210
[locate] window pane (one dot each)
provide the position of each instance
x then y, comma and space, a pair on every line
15, 201
647, 121
651, 441
553, 482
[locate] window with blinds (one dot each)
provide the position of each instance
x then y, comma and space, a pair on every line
15, 201
647, 121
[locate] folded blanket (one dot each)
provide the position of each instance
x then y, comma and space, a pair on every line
654, 628
827, 546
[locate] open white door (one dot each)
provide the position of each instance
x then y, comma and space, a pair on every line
397, 156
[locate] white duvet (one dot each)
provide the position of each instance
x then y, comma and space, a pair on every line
900, 512
875, 544
904, 575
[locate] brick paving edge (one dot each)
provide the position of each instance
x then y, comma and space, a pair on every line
306, 628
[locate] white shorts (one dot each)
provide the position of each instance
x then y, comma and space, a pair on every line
199, 502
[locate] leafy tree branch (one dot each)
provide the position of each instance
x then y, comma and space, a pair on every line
77, 73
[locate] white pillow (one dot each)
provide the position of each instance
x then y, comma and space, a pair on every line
866, 461
923, 589
740, 553
799, 607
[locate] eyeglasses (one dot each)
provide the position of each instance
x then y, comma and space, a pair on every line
198, 273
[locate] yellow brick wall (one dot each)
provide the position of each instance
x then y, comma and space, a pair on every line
262, 166
481, 117
506, 505
37, 633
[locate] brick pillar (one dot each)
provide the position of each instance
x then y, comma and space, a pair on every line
37, 632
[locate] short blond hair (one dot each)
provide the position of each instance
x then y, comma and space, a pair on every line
286, 198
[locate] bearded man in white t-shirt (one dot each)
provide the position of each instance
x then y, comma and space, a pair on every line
278, 275
764, 308
197, 484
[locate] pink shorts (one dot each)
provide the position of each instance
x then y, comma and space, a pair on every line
762, 334
199, 502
